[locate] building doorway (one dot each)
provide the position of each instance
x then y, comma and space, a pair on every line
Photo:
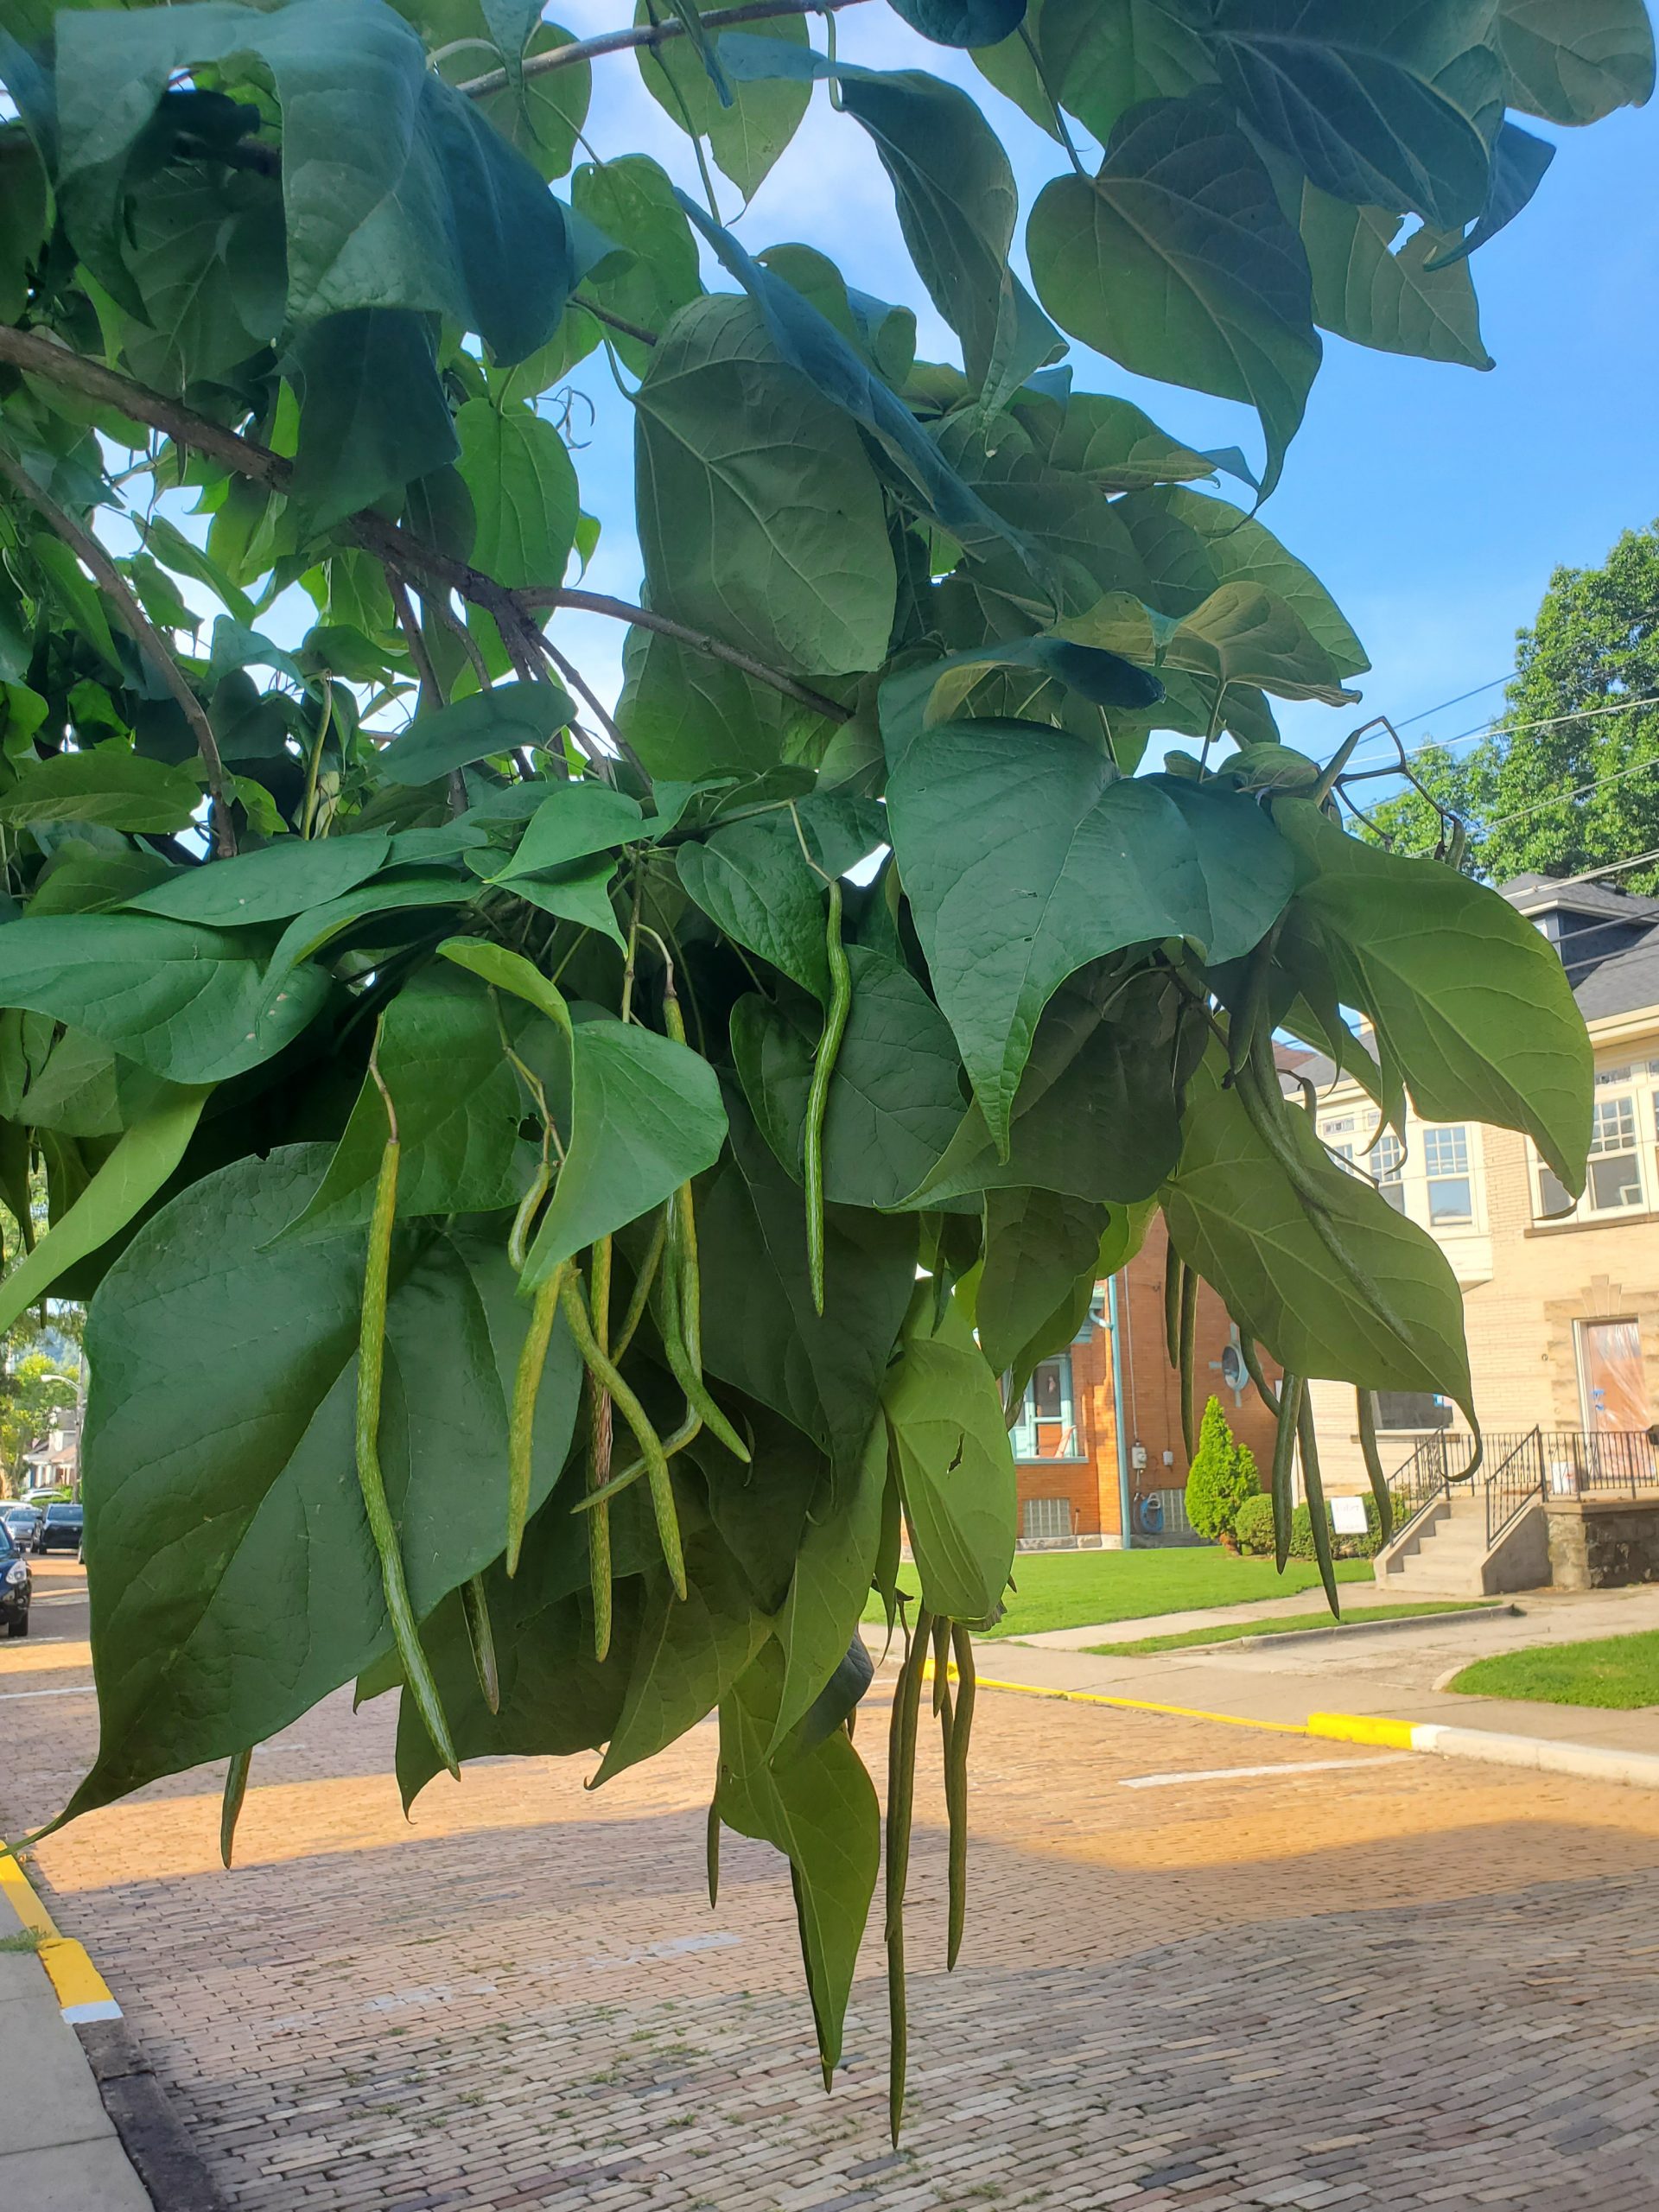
1610, 1377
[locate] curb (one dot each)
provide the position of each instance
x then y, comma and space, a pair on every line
82, 1994
1360, 1626
1540, 1754
1129, 1703
151, 2133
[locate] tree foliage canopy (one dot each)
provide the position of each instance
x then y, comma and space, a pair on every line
536, 1204
1568, 780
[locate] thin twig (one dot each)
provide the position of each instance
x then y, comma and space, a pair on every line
578, 683
621, 610
148, 639
438, 604
589, 49
431, 690
636, 330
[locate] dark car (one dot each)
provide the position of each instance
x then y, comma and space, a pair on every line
15, 1586
61, 1530
21, 1523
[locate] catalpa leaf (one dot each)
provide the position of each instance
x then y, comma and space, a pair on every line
109, 786
220, 1435
1468, 1001
1025, 856
955, 1469
1177, 261
477, 727
267, 885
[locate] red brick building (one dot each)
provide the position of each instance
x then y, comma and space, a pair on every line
1100, 1430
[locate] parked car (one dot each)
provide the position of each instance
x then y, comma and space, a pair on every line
22, 1524
61, 1530
15, 1583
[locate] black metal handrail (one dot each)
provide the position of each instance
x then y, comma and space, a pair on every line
1524, 1465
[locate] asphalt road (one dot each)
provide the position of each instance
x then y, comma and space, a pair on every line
1206, 1968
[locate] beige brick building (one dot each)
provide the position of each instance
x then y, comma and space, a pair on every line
1561, 1302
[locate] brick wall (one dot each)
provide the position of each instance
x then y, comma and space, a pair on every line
1151, 1410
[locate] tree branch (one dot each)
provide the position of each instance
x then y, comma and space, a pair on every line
636, 330
589, 49
145, 634
372, 532
622, 610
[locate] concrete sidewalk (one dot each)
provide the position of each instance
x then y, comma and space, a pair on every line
1394, 1674
58, 2149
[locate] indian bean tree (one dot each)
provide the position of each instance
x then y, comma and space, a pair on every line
571, 1187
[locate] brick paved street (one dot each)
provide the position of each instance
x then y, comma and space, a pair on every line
1394, 1984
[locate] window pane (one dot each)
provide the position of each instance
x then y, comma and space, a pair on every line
1394, 1194
1552, 1195
1052, 1389
1045, 1518
1615, 1180
1388, 1155
1614, 1127
1446, 1152
1449, 1200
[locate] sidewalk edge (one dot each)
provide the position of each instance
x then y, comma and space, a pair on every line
1542, 1754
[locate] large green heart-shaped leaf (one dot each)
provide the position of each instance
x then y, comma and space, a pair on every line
109, 786
220, 1440
439, 1054
1038, 1245
955, 1469
1024, 857
572, 823
760, 516
688, 716
372, 414
1243, 634
1367, 290
831, 1581
632, 201
1470, 1004
1236, 1216
1384, 103
477, 727
397, 194
754, 880
895, 1098
267, 885
1242, 550
962, 22
1097, 1113
817, 1806
194, 1005
524, 489
1177, 260
750, 127
763, 1334
646, 1117
931, 692
1575, 61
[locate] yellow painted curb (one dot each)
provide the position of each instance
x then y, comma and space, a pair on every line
1131, 1704
1364, 1728
83, 1993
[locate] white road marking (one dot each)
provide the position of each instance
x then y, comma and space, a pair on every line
1241, 1773
7, 1696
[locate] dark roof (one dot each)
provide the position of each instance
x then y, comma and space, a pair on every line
1608, 940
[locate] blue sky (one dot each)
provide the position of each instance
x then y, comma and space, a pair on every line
1433, 501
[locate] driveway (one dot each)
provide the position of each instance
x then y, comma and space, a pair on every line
1352, 1980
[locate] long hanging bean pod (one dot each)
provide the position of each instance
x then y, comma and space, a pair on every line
1189, 1322
901, 1790
229, 1810
599, 1427
1173, 1271
956, 1787
1284, 1453
650, 1444
371, 1362
817, 1098
642, 1284
711, 1852
526, 1389
1365, 1405
1253, 1367
475, 1607
1316, 1508
942, 1676
674, 1327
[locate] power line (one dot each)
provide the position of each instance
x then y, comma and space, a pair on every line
1491, 684
1565, 799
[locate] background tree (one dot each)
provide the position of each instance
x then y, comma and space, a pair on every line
1223, 1478
1572, 781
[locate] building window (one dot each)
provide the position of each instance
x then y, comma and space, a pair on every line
1047, 1427
1388, 1165
1615, 1172
1450, 1193
1046, 1520
1411, 1409
1553, 1204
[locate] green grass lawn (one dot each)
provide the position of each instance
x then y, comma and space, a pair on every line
1234, 1630
1617, 1671
1077, 1589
